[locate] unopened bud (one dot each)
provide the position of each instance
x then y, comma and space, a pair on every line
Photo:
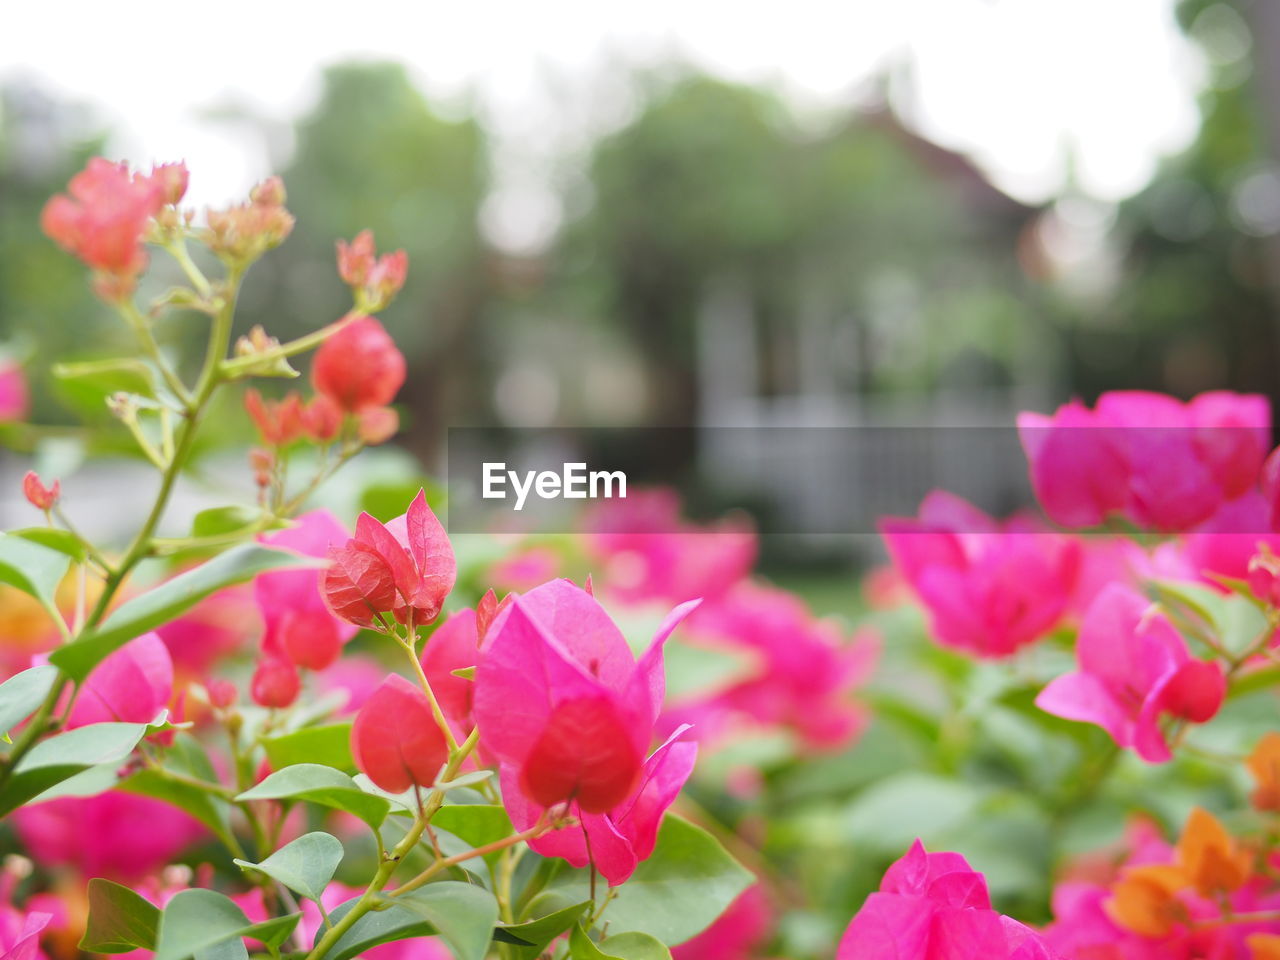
378, 425
222, 694
37, 494
269, 193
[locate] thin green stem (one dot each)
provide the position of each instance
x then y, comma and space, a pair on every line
436, 711
242, 365
178, 250
537, 830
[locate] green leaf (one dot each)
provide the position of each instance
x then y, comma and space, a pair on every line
463, 914
475, 823
196, 921
85, 386
635, 946
119, 920
305, 866
328, 745
22, 693
686, 883
322, 785
64, 541
167, 601
51, 761
217, 521
532, 936
582, 947
34, 569
891, 813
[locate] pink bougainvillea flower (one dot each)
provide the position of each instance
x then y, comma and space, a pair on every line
989, 588
20, 933
395, 739
132, 685
804, 671
218, 626
116, 835
1134, 668
298, 623
1161, 463
934, 906
15, 398
337, 893
1079, 473
736, 933
103, 218
651, 553
359, 367
1225, 543
405, 568
568, 713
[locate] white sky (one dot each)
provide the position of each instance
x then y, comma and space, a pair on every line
1017, 83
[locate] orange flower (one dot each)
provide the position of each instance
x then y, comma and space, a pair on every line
1263, 946
1211, 859
1264, 764
1145, 900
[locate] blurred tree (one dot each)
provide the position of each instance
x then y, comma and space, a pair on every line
880, 234
374, 154
1195, 304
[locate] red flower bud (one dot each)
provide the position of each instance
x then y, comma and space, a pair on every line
222, 693
37, 494
171, 179
378, 425
356, 259
280, 422
310, 638
486, 610
275, 683
269, 193
359, 366
321, 419
263, 463
395, 739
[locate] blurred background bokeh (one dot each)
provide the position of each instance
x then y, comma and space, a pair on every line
936, 211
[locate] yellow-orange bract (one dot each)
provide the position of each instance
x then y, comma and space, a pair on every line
1264, 764
1212, 860
1145, 900
1263, 946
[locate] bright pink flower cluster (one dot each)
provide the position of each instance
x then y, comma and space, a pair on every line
990, 588
651, 553
934, 906
801, 675
103, 218
1160, 463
